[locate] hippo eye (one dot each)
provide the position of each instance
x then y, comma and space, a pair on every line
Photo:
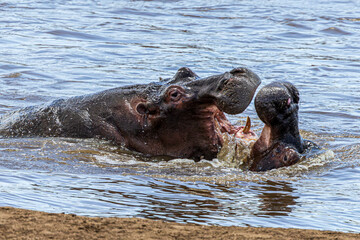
284, 104
174, 95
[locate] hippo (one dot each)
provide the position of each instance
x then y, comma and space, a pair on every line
180, 117
280, 143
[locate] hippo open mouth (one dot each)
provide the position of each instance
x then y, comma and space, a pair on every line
179, 117
188, 117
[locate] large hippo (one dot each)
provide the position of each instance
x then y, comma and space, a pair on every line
180, 117
280, 143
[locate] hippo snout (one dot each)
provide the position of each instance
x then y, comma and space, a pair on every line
235, 96
232, 91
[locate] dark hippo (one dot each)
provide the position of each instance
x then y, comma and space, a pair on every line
181, 117
280, 143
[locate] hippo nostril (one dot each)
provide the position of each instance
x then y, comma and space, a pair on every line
285, 158
223, 84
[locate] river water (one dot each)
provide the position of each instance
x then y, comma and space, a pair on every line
58, 49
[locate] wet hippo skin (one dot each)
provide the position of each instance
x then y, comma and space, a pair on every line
180, 117
280, 143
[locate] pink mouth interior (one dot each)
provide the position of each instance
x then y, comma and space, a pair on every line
249, 136
238, 132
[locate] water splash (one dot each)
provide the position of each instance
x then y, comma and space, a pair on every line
235, 152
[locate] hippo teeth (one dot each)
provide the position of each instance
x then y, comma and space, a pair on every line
245, 133
247, 127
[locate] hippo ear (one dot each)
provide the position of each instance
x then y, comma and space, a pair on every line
144, 108
184, 74
141, 108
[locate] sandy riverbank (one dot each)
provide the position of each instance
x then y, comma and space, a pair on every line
25, 224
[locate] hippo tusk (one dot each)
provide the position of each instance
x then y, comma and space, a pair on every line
247, 127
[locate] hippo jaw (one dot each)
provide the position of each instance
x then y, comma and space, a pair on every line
280, 143
188, 118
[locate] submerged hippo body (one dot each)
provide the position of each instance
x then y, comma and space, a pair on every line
280, 143
181, 117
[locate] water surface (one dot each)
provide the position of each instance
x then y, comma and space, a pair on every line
60, 49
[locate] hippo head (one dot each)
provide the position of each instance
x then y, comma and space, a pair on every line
184, 116
280, 142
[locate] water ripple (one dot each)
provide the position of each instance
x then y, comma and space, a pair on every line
53, 50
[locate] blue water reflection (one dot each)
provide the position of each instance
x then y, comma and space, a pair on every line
53, 50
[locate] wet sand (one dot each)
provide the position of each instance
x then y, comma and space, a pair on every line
25, 224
